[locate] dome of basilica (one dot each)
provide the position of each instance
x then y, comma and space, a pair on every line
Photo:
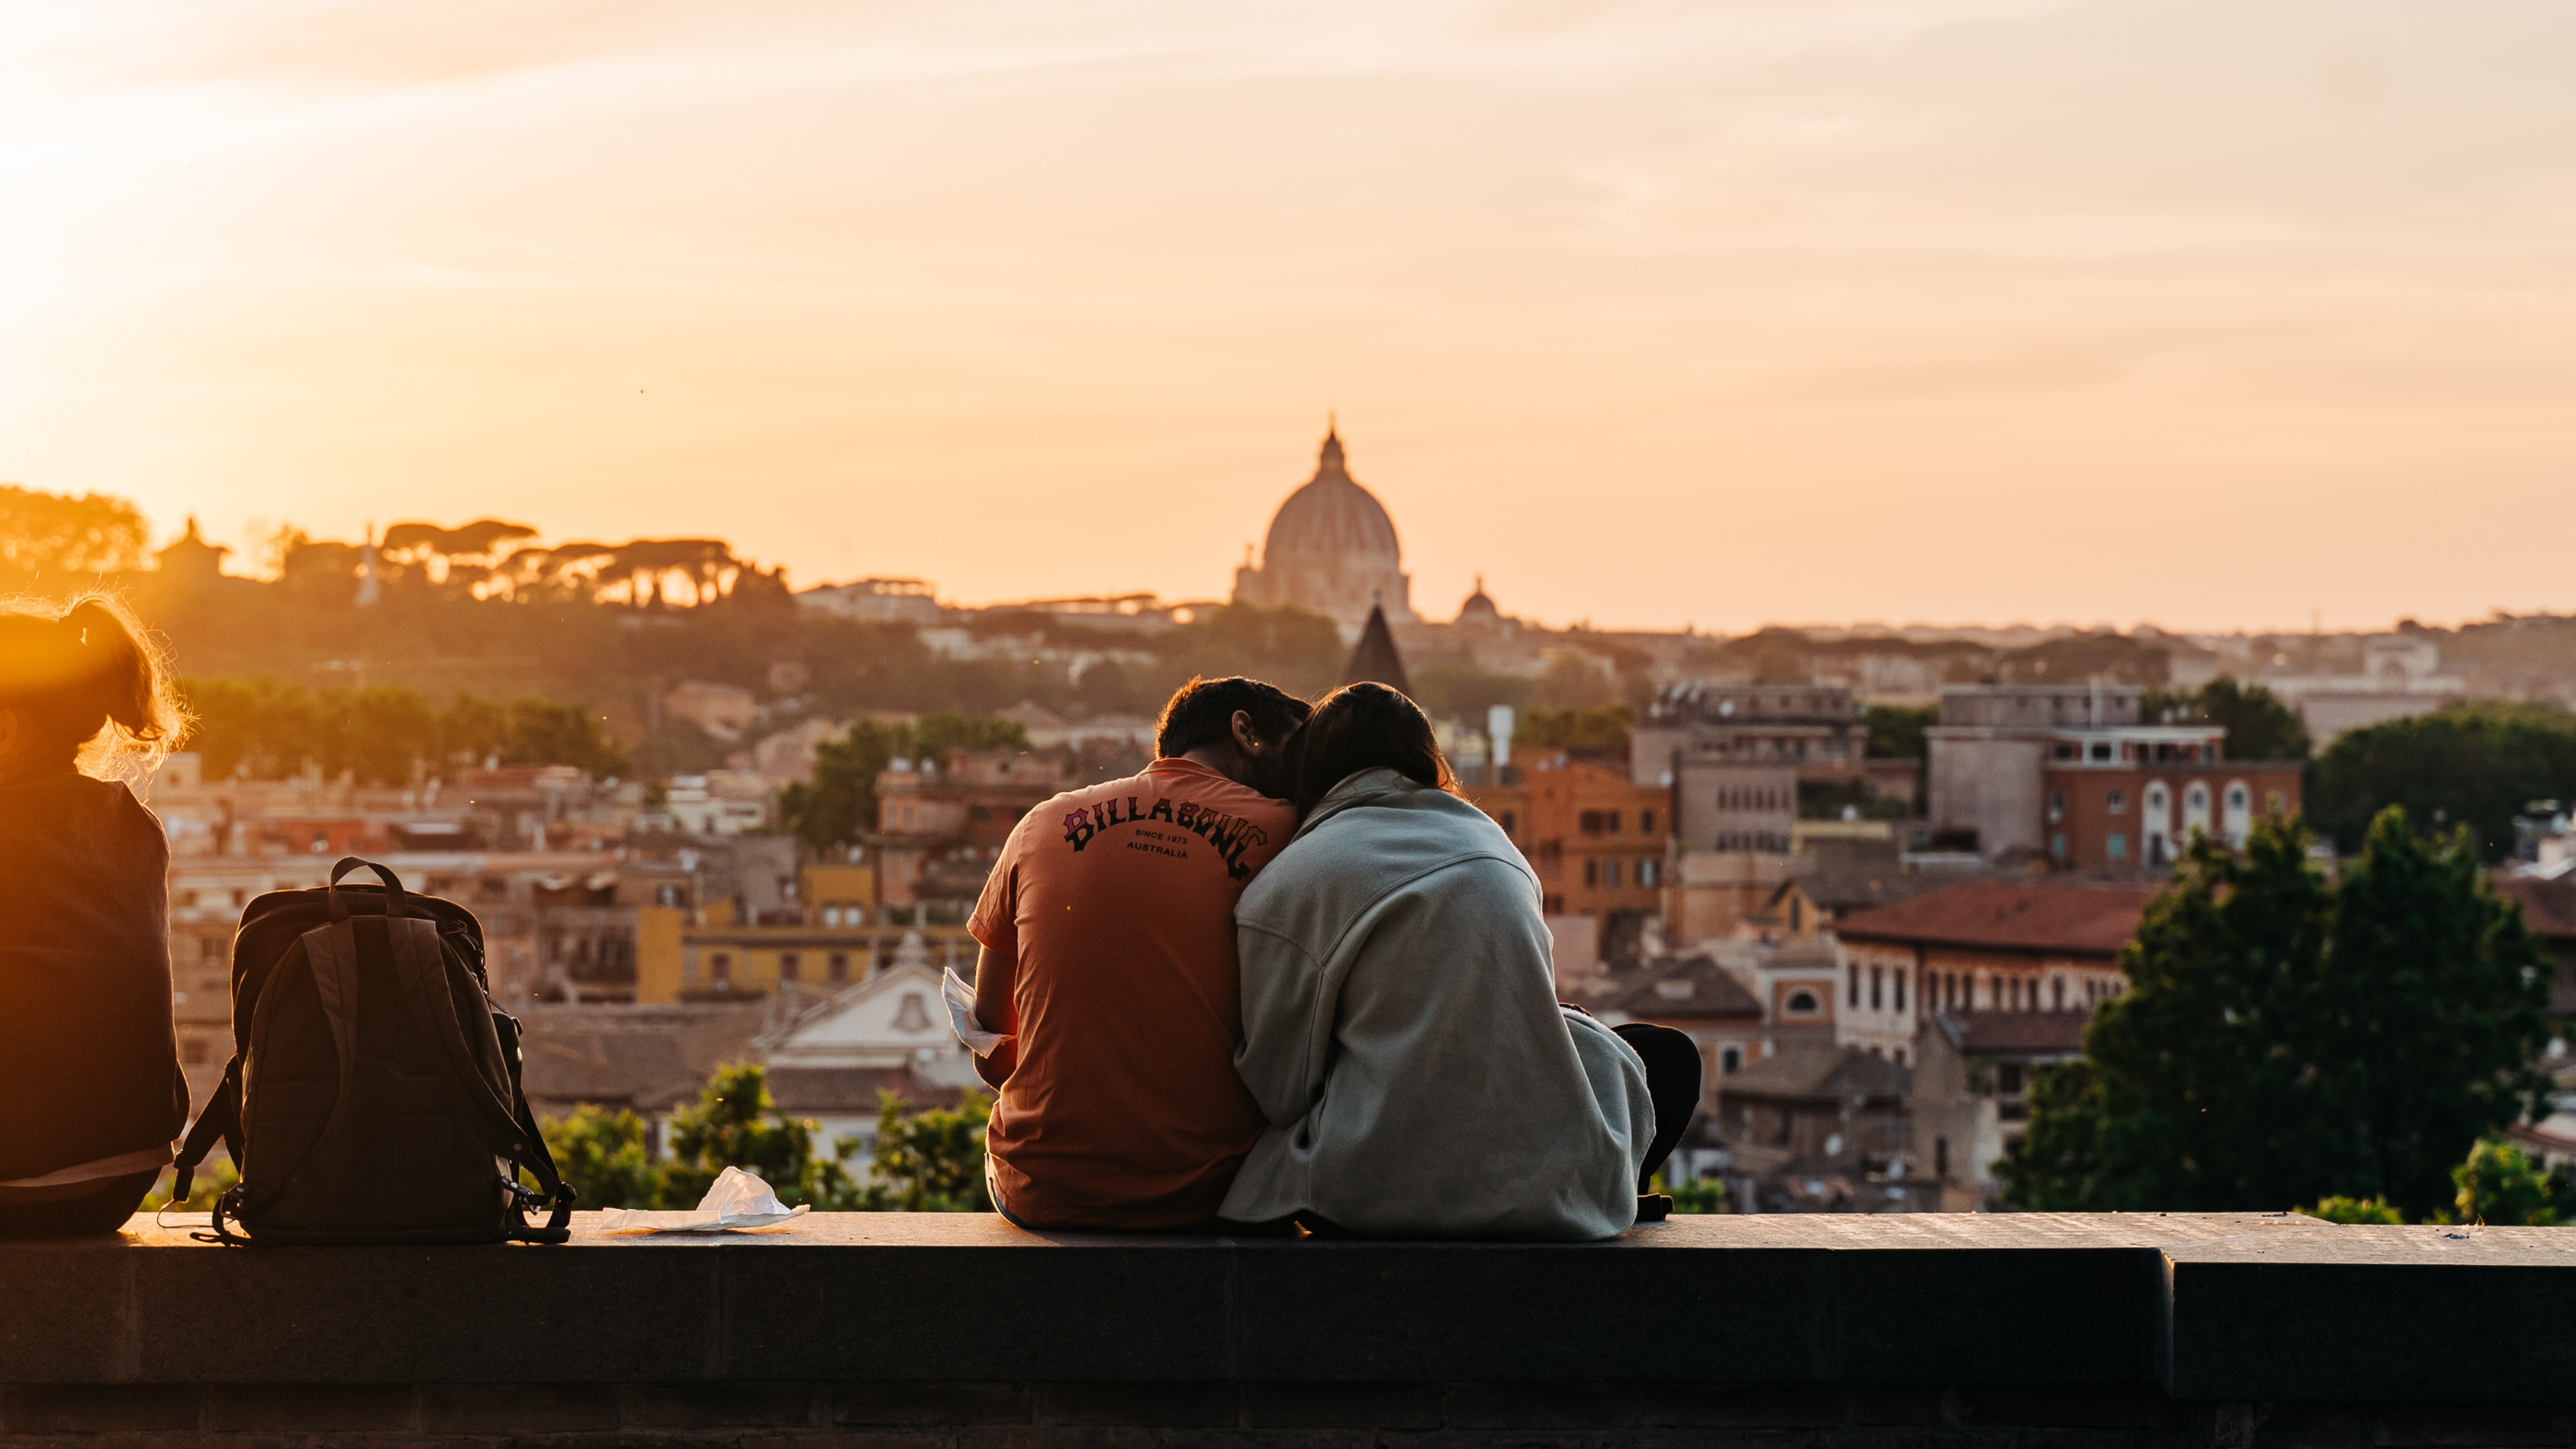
1331, 551
1332, 517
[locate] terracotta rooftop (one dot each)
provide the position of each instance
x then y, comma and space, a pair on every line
2033, 1033
1820, 1070
1673, 988
2083, 920
2548, 903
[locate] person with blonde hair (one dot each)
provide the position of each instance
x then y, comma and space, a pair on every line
91, 1095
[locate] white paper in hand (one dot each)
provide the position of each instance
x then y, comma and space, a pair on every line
960, 999
738, 1200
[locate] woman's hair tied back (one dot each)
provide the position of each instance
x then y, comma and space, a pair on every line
88, 685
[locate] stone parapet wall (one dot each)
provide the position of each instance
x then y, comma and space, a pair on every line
903, 1330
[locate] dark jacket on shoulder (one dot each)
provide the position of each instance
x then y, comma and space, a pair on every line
89, 1063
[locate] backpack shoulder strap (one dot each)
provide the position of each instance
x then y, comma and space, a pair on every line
219, 1119
502, 1125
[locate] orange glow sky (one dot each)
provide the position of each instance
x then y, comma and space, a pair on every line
1719, 312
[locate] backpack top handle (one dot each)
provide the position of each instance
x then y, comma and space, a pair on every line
394, 897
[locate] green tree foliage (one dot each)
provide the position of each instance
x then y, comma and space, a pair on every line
737, 1124
2474, 764
601, 1154
54, 541
213, 1176
1707, 1195
2374, 1210
269, 729
838, 803
2259, 726
1574, 681
2104, 654
2498, 1184
953, 729
1300, 652
1896, 730
1464, 692
930, 1161
1599, 731
2284, 1039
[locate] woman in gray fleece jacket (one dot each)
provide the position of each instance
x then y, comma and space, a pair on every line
1400, 1024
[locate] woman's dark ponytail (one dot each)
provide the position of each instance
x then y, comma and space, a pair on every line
89, 683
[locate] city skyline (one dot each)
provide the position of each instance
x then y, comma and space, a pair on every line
1959, 310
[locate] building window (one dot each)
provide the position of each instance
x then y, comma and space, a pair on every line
1610, 873
1802, 1003
2057, 844
193, 1052
2056, 804
1612, 818
2117, 802
2007, 1079
1730, 1059
2116, 846
1511, 822
838, 965
1590, 822
1853, 991
1646, 872
912, 1015
1877, 988
1591, 873
2057, 989
1646, 822
1797, 913
720, 966
1900, 991
790, 967
1941, 1158
210, 948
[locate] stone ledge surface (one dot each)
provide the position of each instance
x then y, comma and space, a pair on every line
2206, 1308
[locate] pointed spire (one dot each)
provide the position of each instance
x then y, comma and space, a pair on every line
1330, 464
1376, 658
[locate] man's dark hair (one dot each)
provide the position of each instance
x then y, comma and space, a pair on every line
1359, 727
1202, 713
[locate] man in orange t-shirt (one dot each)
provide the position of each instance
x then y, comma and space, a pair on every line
1108, 968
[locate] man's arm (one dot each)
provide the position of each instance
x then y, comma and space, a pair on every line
995, 1008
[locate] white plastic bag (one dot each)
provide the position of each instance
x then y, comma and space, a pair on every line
738, 1200
960, 1000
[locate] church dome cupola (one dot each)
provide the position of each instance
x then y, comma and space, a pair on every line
1332, 517
1331, 549
1479, 608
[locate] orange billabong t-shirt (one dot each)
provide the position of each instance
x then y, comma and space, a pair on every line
1109, 921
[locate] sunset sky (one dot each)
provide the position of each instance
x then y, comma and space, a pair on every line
1719, 312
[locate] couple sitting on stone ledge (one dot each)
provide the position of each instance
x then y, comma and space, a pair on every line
1288, 977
